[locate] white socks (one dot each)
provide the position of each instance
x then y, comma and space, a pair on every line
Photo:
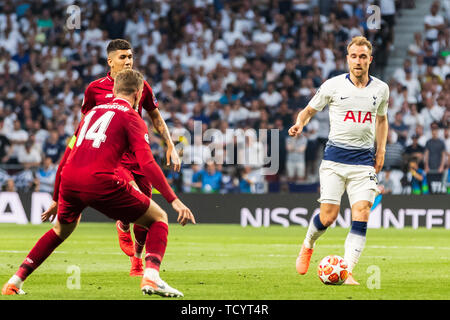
315, 230
151, 273
15, 280
354, 245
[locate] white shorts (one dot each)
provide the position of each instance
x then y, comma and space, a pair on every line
360, 181
295, 169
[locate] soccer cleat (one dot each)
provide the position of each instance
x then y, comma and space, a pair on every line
350, 280
159, 287
303, 259
136, 267
10, 289
125, 241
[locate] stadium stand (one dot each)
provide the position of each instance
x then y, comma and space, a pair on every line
229, 64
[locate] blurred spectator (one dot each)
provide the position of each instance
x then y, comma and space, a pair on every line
5, 144
9, 186
415, 48
434, 159
4, 176
271, 97
197, 152
412, 85
230, 182
400, 73
434, 22
175, 179
28, 155
431, 113
400, 128
441, 69
295, 166
412, 118
25, 181
18, 135
388, 10
45, 176
394, 153
311, 159
245, 183
209, 179
421, 138
394, 161
386, 184
415, 150
52, 147
417, 178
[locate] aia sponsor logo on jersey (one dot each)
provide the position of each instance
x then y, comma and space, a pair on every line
358, 116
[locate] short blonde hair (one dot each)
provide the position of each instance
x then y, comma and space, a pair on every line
360, 41
128, 81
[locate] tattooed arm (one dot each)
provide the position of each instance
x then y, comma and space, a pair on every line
161, 126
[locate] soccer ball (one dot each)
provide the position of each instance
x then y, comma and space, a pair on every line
332, 270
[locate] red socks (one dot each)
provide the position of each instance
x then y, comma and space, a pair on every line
140, 236
156, 244
41, 250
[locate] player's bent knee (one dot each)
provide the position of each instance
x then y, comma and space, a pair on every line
63, 231
163, 218
361, 210
154, 213
328, 220
328, 213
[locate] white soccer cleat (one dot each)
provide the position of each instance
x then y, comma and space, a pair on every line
159, 287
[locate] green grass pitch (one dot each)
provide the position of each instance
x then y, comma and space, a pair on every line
230, 262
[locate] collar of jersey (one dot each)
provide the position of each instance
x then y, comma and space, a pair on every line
121, 99
348, 77
108, 76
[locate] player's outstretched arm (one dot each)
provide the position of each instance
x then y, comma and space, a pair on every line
184, 213
155, 174
302, 120
381, 132
50, 213
161, 126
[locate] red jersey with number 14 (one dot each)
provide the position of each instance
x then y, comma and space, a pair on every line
101, 92
106, 132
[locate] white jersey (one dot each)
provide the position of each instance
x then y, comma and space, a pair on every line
353, 113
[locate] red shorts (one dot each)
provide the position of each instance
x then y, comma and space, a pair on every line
129, 175
120, 201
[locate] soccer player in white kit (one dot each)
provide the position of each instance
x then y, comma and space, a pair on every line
358, 117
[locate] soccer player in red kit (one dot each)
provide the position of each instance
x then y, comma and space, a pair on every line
120, 57
89, 179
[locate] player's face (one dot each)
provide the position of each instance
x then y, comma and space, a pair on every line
120, 59
359, 60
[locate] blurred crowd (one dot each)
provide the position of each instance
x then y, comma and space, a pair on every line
234, 66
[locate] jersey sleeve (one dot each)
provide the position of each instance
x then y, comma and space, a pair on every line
149, 102
382, 108
88, 99
139, 145
322, 96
